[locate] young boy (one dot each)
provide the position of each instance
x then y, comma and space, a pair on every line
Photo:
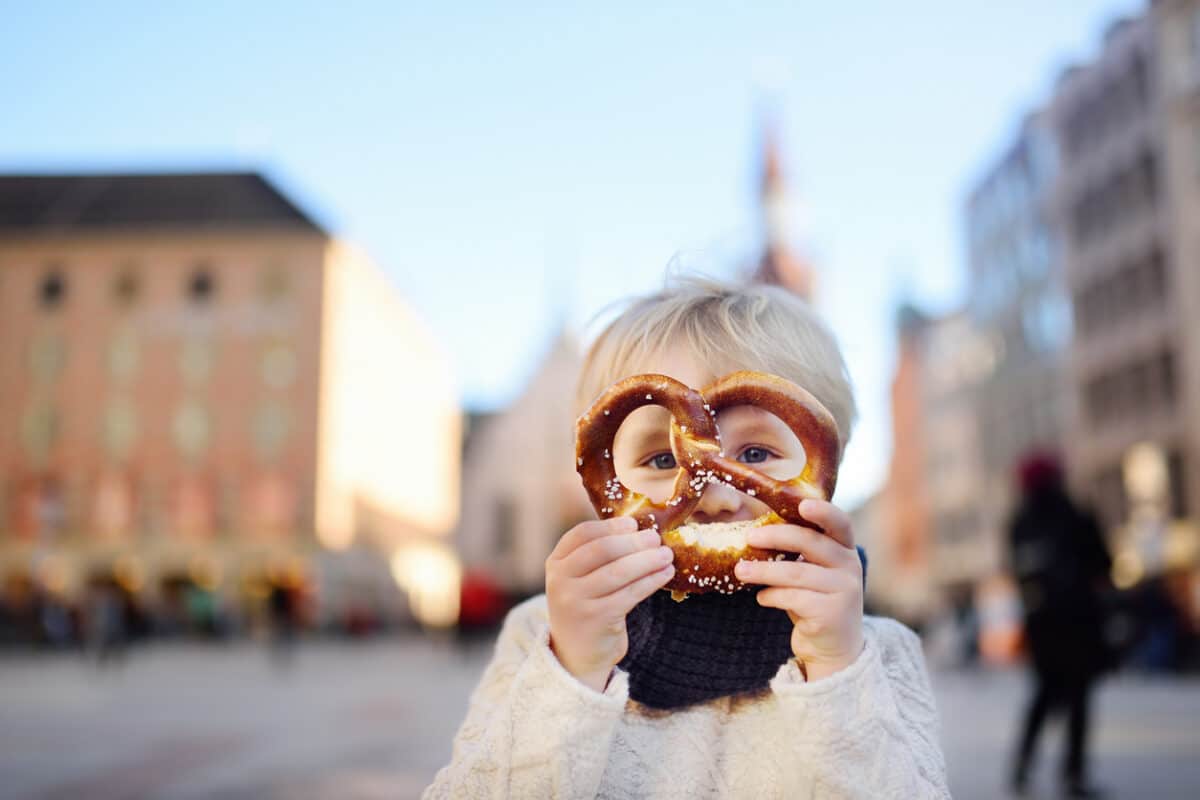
606, 687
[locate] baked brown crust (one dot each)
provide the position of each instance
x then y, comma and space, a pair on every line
696, 445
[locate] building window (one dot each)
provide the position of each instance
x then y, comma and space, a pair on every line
123, 355
1195, 42
506, 528
1177, 480
271, 427
1133, 388
52, 291
1166, 377
1134, 287
1156, 275
196, 360
273, 284
40, 429
201, 286
1141, 80
191, 428
279, 366
126, 288
41, 508
1047, 323
47, 357
1125, 194
1147, 177
1109, 496
120, 428
1196, 143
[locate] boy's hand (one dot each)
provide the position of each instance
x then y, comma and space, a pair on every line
822, 594
597, 573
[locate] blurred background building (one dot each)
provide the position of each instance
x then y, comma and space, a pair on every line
954, 358
899, 580
1118, 225
218, 416
207, 397
1079, 335
520, 488
1129, 132
1019, 311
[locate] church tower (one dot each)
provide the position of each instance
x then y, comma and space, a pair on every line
779, 264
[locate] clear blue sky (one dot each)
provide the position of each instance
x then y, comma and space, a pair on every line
514, 166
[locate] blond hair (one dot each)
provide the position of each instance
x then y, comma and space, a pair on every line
728, 327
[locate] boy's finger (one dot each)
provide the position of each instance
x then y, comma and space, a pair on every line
801, 602
834, 521
622, 601
795, 574
816, 547
585, 532
592, 555
625, 570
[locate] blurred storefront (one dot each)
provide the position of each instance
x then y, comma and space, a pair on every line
208, 396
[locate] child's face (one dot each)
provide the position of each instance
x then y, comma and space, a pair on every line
642, 450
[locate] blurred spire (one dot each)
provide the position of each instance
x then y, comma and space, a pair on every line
779, 264
772, 161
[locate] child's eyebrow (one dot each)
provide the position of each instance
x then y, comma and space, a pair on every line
648, 437
771, 428
756, 427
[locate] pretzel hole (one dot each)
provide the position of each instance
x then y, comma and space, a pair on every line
643, 436
645, 462
762, 441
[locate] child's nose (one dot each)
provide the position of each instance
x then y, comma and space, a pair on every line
717, 501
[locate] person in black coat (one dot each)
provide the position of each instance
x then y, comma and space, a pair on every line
1061, 565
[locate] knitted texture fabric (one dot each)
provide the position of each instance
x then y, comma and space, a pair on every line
705, 647
532, 730
708, 646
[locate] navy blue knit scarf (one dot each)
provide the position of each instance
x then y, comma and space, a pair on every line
708, 646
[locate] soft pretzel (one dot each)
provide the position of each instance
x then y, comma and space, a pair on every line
695, 442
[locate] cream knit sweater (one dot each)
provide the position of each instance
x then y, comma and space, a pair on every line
533, 731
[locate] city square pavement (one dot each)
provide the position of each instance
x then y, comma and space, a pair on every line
375, 720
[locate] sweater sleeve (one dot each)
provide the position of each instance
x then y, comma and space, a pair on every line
532, 729
870, 730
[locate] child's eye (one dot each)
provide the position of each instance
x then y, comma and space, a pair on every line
754, 455
662, 461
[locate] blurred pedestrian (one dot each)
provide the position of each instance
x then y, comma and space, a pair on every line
281, 604
1061, 565
105, 637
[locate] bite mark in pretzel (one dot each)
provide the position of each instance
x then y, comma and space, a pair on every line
695, 442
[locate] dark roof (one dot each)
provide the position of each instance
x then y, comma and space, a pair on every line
53, 203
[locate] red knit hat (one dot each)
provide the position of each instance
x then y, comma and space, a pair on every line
1039, 469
